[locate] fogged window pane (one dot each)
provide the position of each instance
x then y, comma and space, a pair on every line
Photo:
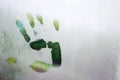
59, 39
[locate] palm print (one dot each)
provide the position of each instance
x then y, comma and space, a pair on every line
37, 45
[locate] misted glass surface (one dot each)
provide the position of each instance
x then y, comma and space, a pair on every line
59, 39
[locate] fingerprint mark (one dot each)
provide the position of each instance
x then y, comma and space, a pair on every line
40, 66
38, 44
56, 24
22, 30
40, 19
55, 52
31, 20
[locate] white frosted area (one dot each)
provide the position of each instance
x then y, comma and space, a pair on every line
89, 37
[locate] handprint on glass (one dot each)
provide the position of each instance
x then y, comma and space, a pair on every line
37, 45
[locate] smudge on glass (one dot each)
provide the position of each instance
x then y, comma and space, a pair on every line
22, 30
35, 32
56, 24
40, 66
38, 44
56, 53
31, 20
11, 60
40, 19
